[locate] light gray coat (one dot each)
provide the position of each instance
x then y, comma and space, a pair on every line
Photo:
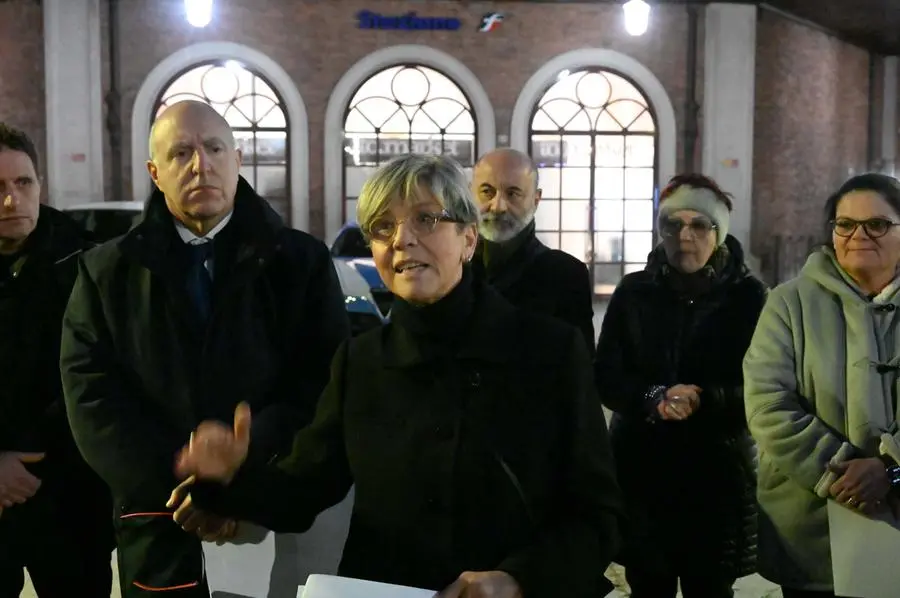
811, 387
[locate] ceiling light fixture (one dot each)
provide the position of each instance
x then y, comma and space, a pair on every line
198, 12
637, 17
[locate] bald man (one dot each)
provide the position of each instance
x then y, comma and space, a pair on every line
209, 301
510, 256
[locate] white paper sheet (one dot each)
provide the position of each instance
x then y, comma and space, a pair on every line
864, 553
328, 586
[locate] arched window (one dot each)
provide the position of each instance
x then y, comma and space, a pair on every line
593, 137
256, 114
400, 110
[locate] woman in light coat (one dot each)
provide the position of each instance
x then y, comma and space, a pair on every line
821, 387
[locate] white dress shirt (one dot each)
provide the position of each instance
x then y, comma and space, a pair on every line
191, 239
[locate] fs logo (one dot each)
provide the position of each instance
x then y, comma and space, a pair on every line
490, 22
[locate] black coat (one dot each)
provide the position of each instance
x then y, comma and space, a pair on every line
532, 276
690, 485
33, 296
486, 454
140, 371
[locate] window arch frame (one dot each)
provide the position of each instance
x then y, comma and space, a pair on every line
593, 134
253, 128
368, 64
350, 106
534, 89
295, 107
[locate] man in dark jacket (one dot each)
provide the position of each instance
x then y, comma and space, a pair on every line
54, 511
512, 259
211, 300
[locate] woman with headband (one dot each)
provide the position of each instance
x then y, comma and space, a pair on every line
669, 365
470, 429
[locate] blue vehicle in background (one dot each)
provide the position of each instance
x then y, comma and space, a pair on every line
350, 247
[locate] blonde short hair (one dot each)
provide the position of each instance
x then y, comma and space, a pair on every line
401, 178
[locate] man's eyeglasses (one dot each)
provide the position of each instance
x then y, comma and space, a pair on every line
874, 227
421, 224
699, 227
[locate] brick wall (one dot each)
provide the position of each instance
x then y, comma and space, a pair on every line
316, 41
810, 132
22, 69
812, 90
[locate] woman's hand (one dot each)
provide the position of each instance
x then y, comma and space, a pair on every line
680, 402
215, 451
482, 584
863, 483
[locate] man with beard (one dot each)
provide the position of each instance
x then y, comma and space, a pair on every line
509, 255
210, 301
54, 511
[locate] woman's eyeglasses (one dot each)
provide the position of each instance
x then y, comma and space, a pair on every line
421, 224
699, 227
874, 227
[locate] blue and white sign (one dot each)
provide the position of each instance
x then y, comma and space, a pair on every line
408, 22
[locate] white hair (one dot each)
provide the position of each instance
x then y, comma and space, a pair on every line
400, 179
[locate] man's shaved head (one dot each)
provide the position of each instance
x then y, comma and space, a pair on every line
188, 109
505, 185
507, 157
194, 162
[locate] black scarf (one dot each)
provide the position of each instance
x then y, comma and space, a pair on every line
442, 323
726, 264
6, 264
501, 264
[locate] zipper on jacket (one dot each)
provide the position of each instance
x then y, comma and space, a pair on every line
685, 319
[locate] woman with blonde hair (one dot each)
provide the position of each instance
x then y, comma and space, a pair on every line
471, 429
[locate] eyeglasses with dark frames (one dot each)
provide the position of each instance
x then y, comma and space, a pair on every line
699, 227
421, 223
874, 227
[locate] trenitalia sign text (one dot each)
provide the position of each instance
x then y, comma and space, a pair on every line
408, 22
